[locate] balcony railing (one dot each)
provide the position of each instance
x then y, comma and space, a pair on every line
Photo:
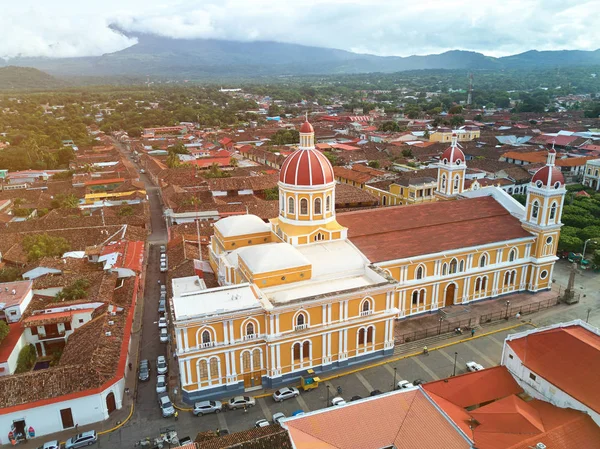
300, 327
366, 312
50, 335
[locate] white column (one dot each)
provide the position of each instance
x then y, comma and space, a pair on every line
277, 324
273, 365
179, 333
341, 303
329, 307
188, 370
279, 357
346, 316
495, 284
297, 206
183, 373
227, 364
233, 370
324, 314
226, 332
523, 281
310, 205
271, 325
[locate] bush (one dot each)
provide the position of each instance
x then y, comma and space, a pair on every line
43, 245
21, 212
9, 274
4, 330
26, 359
125, 211
77, 290
374, 164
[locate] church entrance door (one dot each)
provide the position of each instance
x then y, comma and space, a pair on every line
450, 293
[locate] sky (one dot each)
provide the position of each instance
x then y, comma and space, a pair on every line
68, 28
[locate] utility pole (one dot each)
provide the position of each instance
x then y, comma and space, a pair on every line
470, 93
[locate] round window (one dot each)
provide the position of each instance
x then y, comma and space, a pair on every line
557, 185
458, 161
549, 240
283, 278
544, 274
445, 161
539, 184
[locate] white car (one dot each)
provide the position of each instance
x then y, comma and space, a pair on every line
404, 384
161, 384
164, 335
50, 445
162, 322
474, 366
163, 266
277, 417
163, 289
161, 365
262, 423
338, 401
165, 405
285, 393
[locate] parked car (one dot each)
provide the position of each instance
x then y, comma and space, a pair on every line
163, 296
338, 401
164, 335
277, 417
161, 365
162, 306
163, 266
50, 445
403, 384
241, 402
375, 393
144, 371
163, 256
163, 289
163, 248
162, 321
417, 382
474, 366
355, 398
298, 413
262, 423
161, 384
285, 393
166, 407
205, 407
81, 440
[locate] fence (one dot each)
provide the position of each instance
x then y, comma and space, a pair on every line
446, 327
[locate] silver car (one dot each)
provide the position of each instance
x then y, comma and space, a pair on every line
161, 384
285, 393
277, 417
241, 402
163, 335
205, 407
82, 440
166, 407
161, 365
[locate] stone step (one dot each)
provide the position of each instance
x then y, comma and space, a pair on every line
417, 345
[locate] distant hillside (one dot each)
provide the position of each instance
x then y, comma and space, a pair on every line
13, 77
212, 58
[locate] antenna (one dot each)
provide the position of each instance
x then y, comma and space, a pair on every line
470, 93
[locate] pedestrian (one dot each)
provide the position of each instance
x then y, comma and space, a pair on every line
472, 332
218, 432
245, 409
518, 315
425, 350
176, 415
159, 282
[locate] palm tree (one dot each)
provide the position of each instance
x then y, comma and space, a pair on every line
233, 162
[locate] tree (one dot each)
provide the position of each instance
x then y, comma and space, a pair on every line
62, 201
374, 164
9, 274
426, 134
26, 359
173, 160
125, 211
457, 120
456, 109
570, 243
285, 137
520, 198
4, 330
589, 232
389, 126
77, 290
43, 245
178, 148
272, 193
233, 162
407, 153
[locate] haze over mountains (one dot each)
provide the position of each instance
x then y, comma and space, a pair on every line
207, 58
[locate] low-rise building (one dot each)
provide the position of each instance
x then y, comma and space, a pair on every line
591, 177
14, 299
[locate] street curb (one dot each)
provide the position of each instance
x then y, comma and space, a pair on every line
396, 359
118, 426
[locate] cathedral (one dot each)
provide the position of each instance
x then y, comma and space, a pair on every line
316, 290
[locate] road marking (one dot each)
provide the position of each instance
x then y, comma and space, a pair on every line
445, 354
427, 370
265, 409
365, 382
303, 405
495, 340
222, 421
389, 368
480, 354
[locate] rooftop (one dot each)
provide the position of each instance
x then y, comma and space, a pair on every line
13, 293
241, 225
272, 257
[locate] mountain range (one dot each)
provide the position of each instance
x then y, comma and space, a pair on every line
165, 57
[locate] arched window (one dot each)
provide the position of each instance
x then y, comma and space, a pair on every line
422, 297
483, 260
301, 321
512, 255
282, 203
443, 182
361, 336
513, 277
366, 307
214, 369
291, 209
453, 266
303, 206
202, 370
317, 210
535, 209
249, 329
461, 266
456, 182
506, 278
318, 237
256, 360
420, 272
306, 350
328, 203
553, 212
246, 362
478, 285
483, 283
370, 334
297, 350
444, 269
415, 298
206, 338
384, 200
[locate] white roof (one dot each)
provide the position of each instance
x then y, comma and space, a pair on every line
272, 257
214, 301
507, 201
40, 271
186, 285
334, 258
241, 225
74, 254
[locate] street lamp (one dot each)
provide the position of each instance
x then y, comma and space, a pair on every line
394, 383
440, 326
454, 371
584, 247
327, 403
507, 304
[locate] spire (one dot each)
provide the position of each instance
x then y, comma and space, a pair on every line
454, 140
551, 155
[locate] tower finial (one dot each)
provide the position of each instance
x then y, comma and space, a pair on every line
306, 116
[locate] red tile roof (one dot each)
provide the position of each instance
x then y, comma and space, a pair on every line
568, 358
405, 419
9, 342
405, 231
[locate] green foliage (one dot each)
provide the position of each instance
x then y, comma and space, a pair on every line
285, 137
589, 232
4, 330
63, 175
593, 110
62, 201
233, 162
389, 126
125, 211
272, 193
407, 153
333, 158
22, 212
596, 258
77, 290
173, 161
520, 198
26, 359
178, 148
456, 109
13, 77
191, 201
43, 245
215, 171
374, 164
9, 274
457, 120
570, 243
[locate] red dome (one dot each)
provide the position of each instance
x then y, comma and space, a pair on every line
306, 168
453, 154
548, 175
306, 128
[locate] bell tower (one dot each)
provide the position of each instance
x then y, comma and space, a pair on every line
451, 171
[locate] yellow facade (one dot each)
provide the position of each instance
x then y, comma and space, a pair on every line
463, 135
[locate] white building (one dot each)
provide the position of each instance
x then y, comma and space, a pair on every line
14, 299
591, 175
559, 364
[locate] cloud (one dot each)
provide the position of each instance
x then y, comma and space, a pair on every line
384, 27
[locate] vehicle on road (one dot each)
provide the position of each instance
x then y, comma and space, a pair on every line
298, 413
163, 266
161, 365
163, 256
144, 371
241, 402
309, 381
277, 417
375, 393
162, 321
162, 306
161, 384
262, 423
417, 382
338, 401
142, 171
50, 445
205, 407
285, 393
163, 248
474, 366
82, 440
164, 335
355, 398
166, 407
403, 384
